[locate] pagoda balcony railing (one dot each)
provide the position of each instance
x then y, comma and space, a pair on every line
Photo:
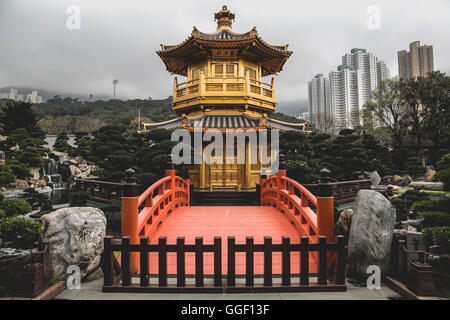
232, 87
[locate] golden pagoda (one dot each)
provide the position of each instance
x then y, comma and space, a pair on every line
224, 89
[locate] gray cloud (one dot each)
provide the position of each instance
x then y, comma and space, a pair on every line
118, 39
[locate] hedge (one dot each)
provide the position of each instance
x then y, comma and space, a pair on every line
15, 207
27, 229
436, 235
429, 205
435, 219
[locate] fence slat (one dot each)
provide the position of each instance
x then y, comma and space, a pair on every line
181, 265
108, 261
199, 262
286, 261
125, 259
322, 260
144, 262
340, 273
231, 276
304, 262
267, 261
249, 262
162, 261
217, 261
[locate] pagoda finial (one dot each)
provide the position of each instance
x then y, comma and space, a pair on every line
224, 18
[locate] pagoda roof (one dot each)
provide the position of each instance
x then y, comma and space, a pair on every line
199, 44
226, 121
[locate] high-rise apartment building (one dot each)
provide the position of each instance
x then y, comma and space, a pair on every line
417, 62
341, 96
346, 94
319, 99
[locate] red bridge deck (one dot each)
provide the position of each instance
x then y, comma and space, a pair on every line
240, 222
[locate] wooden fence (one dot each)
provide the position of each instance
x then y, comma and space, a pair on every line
114, 282
344, 191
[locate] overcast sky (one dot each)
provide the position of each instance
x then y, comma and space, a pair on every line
118, 39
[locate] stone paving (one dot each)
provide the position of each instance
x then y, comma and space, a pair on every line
93, 291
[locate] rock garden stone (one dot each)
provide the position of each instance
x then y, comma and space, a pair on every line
375, 178
371, 233
75, 237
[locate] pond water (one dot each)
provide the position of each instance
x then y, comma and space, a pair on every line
51, 139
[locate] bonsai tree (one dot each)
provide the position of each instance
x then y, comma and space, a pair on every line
443, 173
414, 167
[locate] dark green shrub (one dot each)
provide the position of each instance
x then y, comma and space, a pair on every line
414, 167
78, 199
435, 219
432, 205
436, 235
443, 176
6, 175
402, 208
15, 207
2, 197
2, 214
27, 229
19, 169
403, 204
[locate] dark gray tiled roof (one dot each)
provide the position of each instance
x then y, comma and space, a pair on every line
224, 121
171, 124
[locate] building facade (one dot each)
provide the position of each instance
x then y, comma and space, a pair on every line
345, 91
417, 62
319, 103
14, 95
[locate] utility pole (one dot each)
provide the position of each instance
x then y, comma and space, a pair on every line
139, 119
115, 82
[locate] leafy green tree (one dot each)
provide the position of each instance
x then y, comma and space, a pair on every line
15, 115
389, 109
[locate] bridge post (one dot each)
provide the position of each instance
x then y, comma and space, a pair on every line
171, 174
325, 207
130, 215
188, 190
280, 173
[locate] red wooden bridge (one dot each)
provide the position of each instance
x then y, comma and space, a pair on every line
286, 237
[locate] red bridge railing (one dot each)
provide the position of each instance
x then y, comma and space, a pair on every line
295, 201
297, 204
141, 215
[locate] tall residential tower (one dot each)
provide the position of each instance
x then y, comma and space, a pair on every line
417, 62
341, 96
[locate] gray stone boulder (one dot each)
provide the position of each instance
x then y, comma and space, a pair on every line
75, 237
370, 234
375, 178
